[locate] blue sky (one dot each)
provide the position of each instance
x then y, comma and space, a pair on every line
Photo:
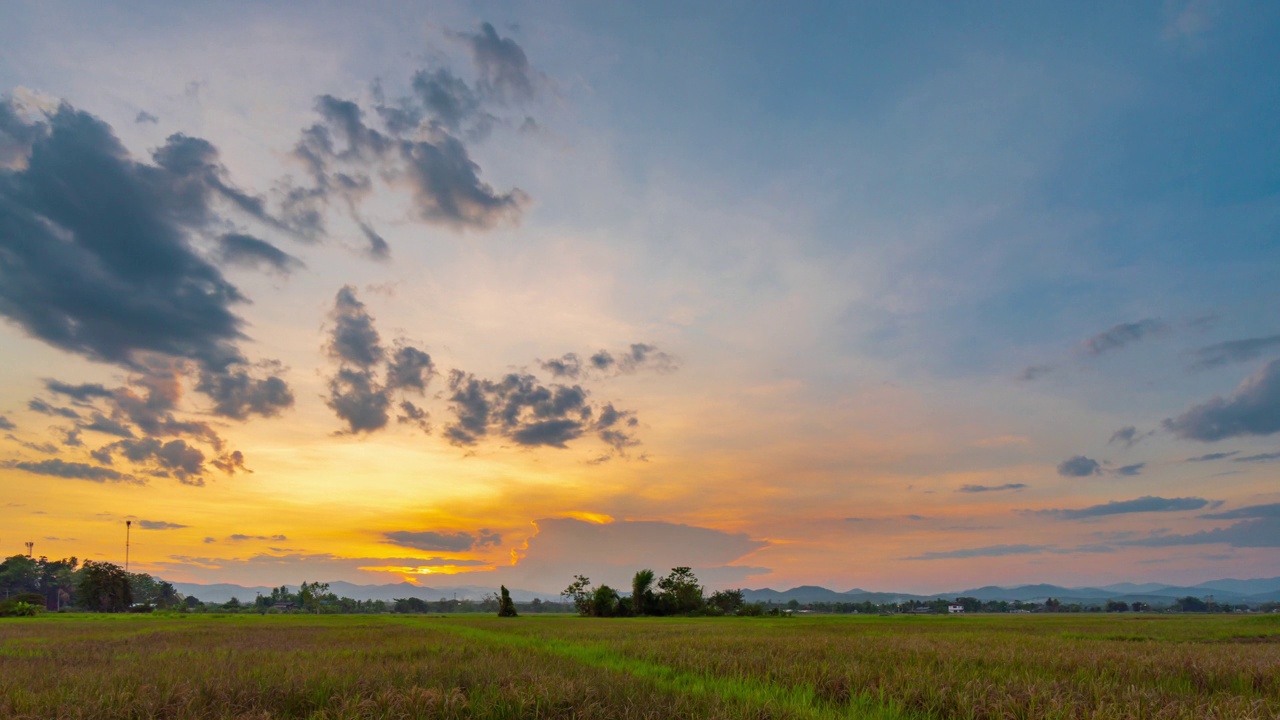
913, 277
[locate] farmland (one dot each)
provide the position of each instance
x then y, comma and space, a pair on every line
235, 666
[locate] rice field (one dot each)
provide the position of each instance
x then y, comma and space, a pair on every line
297, 666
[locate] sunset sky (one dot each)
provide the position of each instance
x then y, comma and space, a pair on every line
879, 295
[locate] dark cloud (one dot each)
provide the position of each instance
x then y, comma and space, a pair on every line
268, 538
1145, 504
107, 426
7, 424
441, 542
354, 339
1250, 512
378, 248
637, 356
251, 252
1129, 436
75, 471
1130, 470
98, 255
1033, 372
410, 369
71, 438
521, 409
1253, 408
83, 392
504, 68
445, 183
176, 457
1261, 457
1212, 456
356, 397
146, 117
413, 415
1233, 351
45, 408
449, 100
1079, 466
1118, 336
991, 488
231, 463
237, 395
568, 365
159, 525
1261, 532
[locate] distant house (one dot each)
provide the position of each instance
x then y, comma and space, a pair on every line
285, 606
953, 608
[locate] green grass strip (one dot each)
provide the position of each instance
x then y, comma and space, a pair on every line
798, 702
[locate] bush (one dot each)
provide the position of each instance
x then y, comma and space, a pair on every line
18, 608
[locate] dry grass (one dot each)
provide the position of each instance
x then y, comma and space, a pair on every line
410, 667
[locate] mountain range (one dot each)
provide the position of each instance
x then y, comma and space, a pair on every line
1258, 590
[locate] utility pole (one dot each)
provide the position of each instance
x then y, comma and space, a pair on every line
29, 546
128, 525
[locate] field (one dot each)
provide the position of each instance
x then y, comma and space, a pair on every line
238, 666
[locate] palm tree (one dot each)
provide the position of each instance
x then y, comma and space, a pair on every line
641, 589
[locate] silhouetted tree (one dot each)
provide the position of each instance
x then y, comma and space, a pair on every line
506, 608
642, 593
681, 591
104, 587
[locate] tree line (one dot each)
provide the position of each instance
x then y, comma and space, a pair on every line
679, 593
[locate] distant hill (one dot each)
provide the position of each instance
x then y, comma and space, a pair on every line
1231, 591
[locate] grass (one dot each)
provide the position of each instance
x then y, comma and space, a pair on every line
84, 666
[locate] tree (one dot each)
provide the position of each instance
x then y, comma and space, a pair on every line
309, 596
730, 602
1191, 604
604, 602
1117, 606
506, 608
642, 601
580, 593
104, 587
681, 591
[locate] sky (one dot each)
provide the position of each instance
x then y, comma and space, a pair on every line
905, 296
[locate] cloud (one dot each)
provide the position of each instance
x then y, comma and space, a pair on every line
82, 392
1130, 470
413, 415
450, 101
159, 525
292, 568
1128, 435
267, 538
988, 551
1233, 351
410, 369
504, 68
237, 395
1212, 456
1271, 510
107, 426
145, 117
1145, 504
1079, 466
1118, 336
520, 409
356, 398
1261, 457
45, 408
991, 488
603, 363
75, 471
1262, 532
378, 248
354, 339
1253, 408
1034, 372
442, 542
250, 252
98, 248
176, 457
47, 448
356, 394
7, 424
